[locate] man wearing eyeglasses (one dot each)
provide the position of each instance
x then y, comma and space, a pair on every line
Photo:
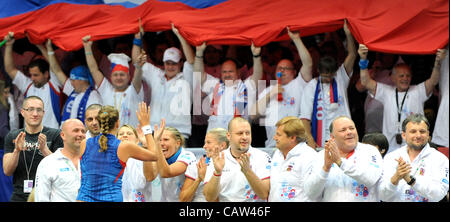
283, 99
26, 147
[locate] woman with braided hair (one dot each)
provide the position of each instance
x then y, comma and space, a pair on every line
104, 157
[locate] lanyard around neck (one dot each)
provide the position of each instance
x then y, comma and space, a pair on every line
399, 111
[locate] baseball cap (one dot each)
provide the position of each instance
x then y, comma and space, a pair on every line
172, 54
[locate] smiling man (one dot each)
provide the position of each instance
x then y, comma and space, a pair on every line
401, 100
345, 170
118, 92
415, 172
171, 87
58, 175
240, 173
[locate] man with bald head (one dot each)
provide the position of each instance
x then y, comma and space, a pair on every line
345, 170
401, 100
228, 96
58, 176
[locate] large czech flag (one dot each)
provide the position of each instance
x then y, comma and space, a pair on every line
394, 26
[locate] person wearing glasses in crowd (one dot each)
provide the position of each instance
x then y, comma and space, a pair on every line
283, 99
26, 147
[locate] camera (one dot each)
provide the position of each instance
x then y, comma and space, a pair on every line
398, 138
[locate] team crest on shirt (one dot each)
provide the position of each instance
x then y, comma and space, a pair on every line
249, 194
360, 190
287, 192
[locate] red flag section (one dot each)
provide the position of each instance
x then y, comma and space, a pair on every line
394, 26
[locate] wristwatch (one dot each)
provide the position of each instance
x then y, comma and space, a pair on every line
412, 180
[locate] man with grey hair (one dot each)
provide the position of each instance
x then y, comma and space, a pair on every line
345, 170
415, 172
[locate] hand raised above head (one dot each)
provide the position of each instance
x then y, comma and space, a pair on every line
143, 114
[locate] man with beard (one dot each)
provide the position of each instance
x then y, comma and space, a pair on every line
246, 170
415, 172
346, 170
58, 175
26, 147
42, 83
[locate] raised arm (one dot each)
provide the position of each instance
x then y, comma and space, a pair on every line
53, 62
434, 78
137, 78
351, 49
366, 80
305, 57
97, 75
257, 64
199, 66
8, 60
187, 49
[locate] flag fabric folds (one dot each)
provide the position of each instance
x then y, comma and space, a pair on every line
393, 26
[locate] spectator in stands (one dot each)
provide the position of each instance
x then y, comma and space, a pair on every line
228, 96
325, 97
170, 85
118, 93
415, 172
43, 83
440, 133
401, 100
283, 99
80, 89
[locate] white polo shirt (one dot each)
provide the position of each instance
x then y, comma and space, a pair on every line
290, 106
430, 168
287, 175
171, 187
356, 180
135, 187
126, 102
57, 179
171, 99
192, 173
234, 186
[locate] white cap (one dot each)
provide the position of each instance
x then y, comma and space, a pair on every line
172, 54
119, 59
